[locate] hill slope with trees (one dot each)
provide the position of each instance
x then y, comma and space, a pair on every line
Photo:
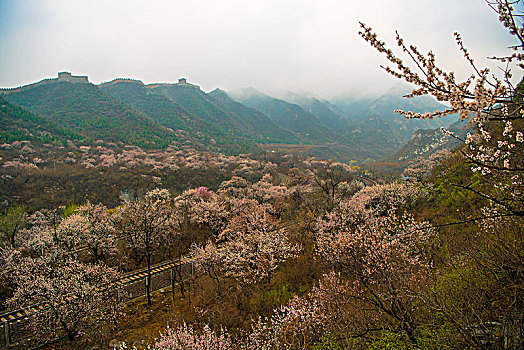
85, 109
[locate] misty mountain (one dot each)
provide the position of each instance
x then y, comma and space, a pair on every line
323, 110
385, 106
257, 123
373, 123
375, 133
218, 109
290, 116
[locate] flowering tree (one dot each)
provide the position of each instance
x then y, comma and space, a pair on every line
212, 212
219, 209
40, 234
144, 223
328, 178
494, 104
235, 187
385, 256
495, 151
70, 231
420, 168
184, 336
71, 296
305, 319
203, 192
209, 259
255, 246
264, 191
98, 233
378, 200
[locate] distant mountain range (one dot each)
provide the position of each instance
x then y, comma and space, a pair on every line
128, 111
325, 111
290, 116
374, 123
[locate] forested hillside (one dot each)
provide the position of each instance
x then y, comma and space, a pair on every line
289, 116
17, 124
196, 131
83, 108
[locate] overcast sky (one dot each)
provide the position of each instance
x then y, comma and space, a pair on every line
309, 46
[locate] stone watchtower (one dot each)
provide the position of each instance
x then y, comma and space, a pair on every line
183, 82
66, 76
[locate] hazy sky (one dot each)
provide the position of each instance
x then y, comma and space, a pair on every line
301, 45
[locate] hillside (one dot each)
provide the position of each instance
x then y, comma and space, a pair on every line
385, 106
196, 102
85, 109
17, 124
159, 108
200, 133
153, 116
256, 123
427, 141
369, 123
376, 134
372, 122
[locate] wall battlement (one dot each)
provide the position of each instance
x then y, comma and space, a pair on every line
122, 80
62, 76
181, 82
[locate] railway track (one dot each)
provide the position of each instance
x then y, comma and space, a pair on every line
370, 182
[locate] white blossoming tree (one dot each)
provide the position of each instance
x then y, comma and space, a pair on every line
255, 246
70, 296
493, 103
145, 223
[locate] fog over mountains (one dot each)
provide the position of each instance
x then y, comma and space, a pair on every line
128, 111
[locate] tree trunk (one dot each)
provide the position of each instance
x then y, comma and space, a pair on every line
410, 331
173, 276
179, 273
214, 276
148, 280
